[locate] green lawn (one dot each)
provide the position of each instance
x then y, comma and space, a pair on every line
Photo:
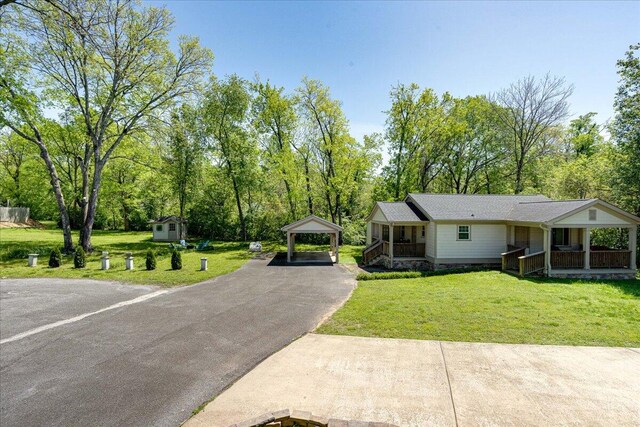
16, 243
493, 307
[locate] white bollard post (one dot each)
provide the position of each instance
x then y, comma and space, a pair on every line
33, 260
203, 264
129, 262
105, 262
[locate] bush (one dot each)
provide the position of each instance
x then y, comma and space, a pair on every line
176, 260
415, 274
55, 259
79, 259
151, 260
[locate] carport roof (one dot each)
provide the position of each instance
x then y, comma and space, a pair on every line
294, 225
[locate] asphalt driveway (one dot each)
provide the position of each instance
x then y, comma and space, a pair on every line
151, 362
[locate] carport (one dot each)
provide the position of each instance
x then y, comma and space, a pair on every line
313, 225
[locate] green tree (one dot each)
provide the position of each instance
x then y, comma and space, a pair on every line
626, 130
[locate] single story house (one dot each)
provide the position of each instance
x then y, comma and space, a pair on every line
169, 229
525, 234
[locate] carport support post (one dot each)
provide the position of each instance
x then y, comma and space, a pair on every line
288, 246
336, 241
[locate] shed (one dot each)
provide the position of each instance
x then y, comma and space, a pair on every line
313, 225
169, 228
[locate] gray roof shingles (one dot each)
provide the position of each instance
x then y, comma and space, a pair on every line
545, 211
401, 212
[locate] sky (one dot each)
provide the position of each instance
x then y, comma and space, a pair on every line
361, 49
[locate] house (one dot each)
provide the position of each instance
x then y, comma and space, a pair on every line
169, 229
525, 234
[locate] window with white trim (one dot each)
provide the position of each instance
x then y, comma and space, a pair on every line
464, 232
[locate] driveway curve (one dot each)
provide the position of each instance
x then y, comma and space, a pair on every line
154, 362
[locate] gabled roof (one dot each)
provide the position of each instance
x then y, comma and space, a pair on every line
167, 218
480, 207
309, 218
546, 211
401, 212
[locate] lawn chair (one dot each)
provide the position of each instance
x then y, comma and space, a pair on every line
202, 245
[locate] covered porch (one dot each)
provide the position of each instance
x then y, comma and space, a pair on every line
568, 251
400, 242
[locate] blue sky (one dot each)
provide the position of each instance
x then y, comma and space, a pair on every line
361, 49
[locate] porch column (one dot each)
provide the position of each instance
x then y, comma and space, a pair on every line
391, 243
586, 245
336, 240
369, 232
633, 245
288, 246
546, 241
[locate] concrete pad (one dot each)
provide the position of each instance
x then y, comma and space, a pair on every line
505, 384
397, 381
405, 382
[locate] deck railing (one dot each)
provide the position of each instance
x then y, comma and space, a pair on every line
404, 249
510, 259
531, 263
610, 259
371, 252
567, 259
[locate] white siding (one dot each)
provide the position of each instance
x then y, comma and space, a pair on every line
487, 241
313, 226
603, 217
161, 235
431, 239
378, 215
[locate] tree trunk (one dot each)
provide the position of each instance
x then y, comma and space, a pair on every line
243, 226
308, 181
57, 191
87, 227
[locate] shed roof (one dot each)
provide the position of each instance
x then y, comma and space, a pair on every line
168, 218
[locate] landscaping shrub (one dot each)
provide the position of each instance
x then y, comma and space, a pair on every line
55, 259
151, 260
414, 274
79, 258
176, 260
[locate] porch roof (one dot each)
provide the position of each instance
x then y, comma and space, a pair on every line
546, 211
398, 212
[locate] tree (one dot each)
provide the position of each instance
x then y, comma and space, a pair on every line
111, 63
626, 130
184, 154
225, 113
530, 108
275, 120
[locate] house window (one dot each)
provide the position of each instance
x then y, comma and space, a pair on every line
593, 214
159, 227
560, 236
172, 226
423, 227
464, 232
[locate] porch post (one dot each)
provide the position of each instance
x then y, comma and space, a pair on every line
336, 239
633, 246
391, 244
369, 232
547, 248
586, 243
288, 246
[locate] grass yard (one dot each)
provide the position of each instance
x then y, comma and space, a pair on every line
491, 306
16, 243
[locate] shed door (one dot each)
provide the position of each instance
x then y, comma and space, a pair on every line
173, 231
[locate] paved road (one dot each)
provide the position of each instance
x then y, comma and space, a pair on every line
153, 362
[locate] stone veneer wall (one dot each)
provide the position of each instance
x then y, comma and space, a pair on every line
286, 418
599, 276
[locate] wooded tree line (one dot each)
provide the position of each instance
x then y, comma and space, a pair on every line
105, 126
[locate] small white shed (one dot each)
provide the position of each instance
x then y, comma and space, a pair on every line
169, 229
316, 225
